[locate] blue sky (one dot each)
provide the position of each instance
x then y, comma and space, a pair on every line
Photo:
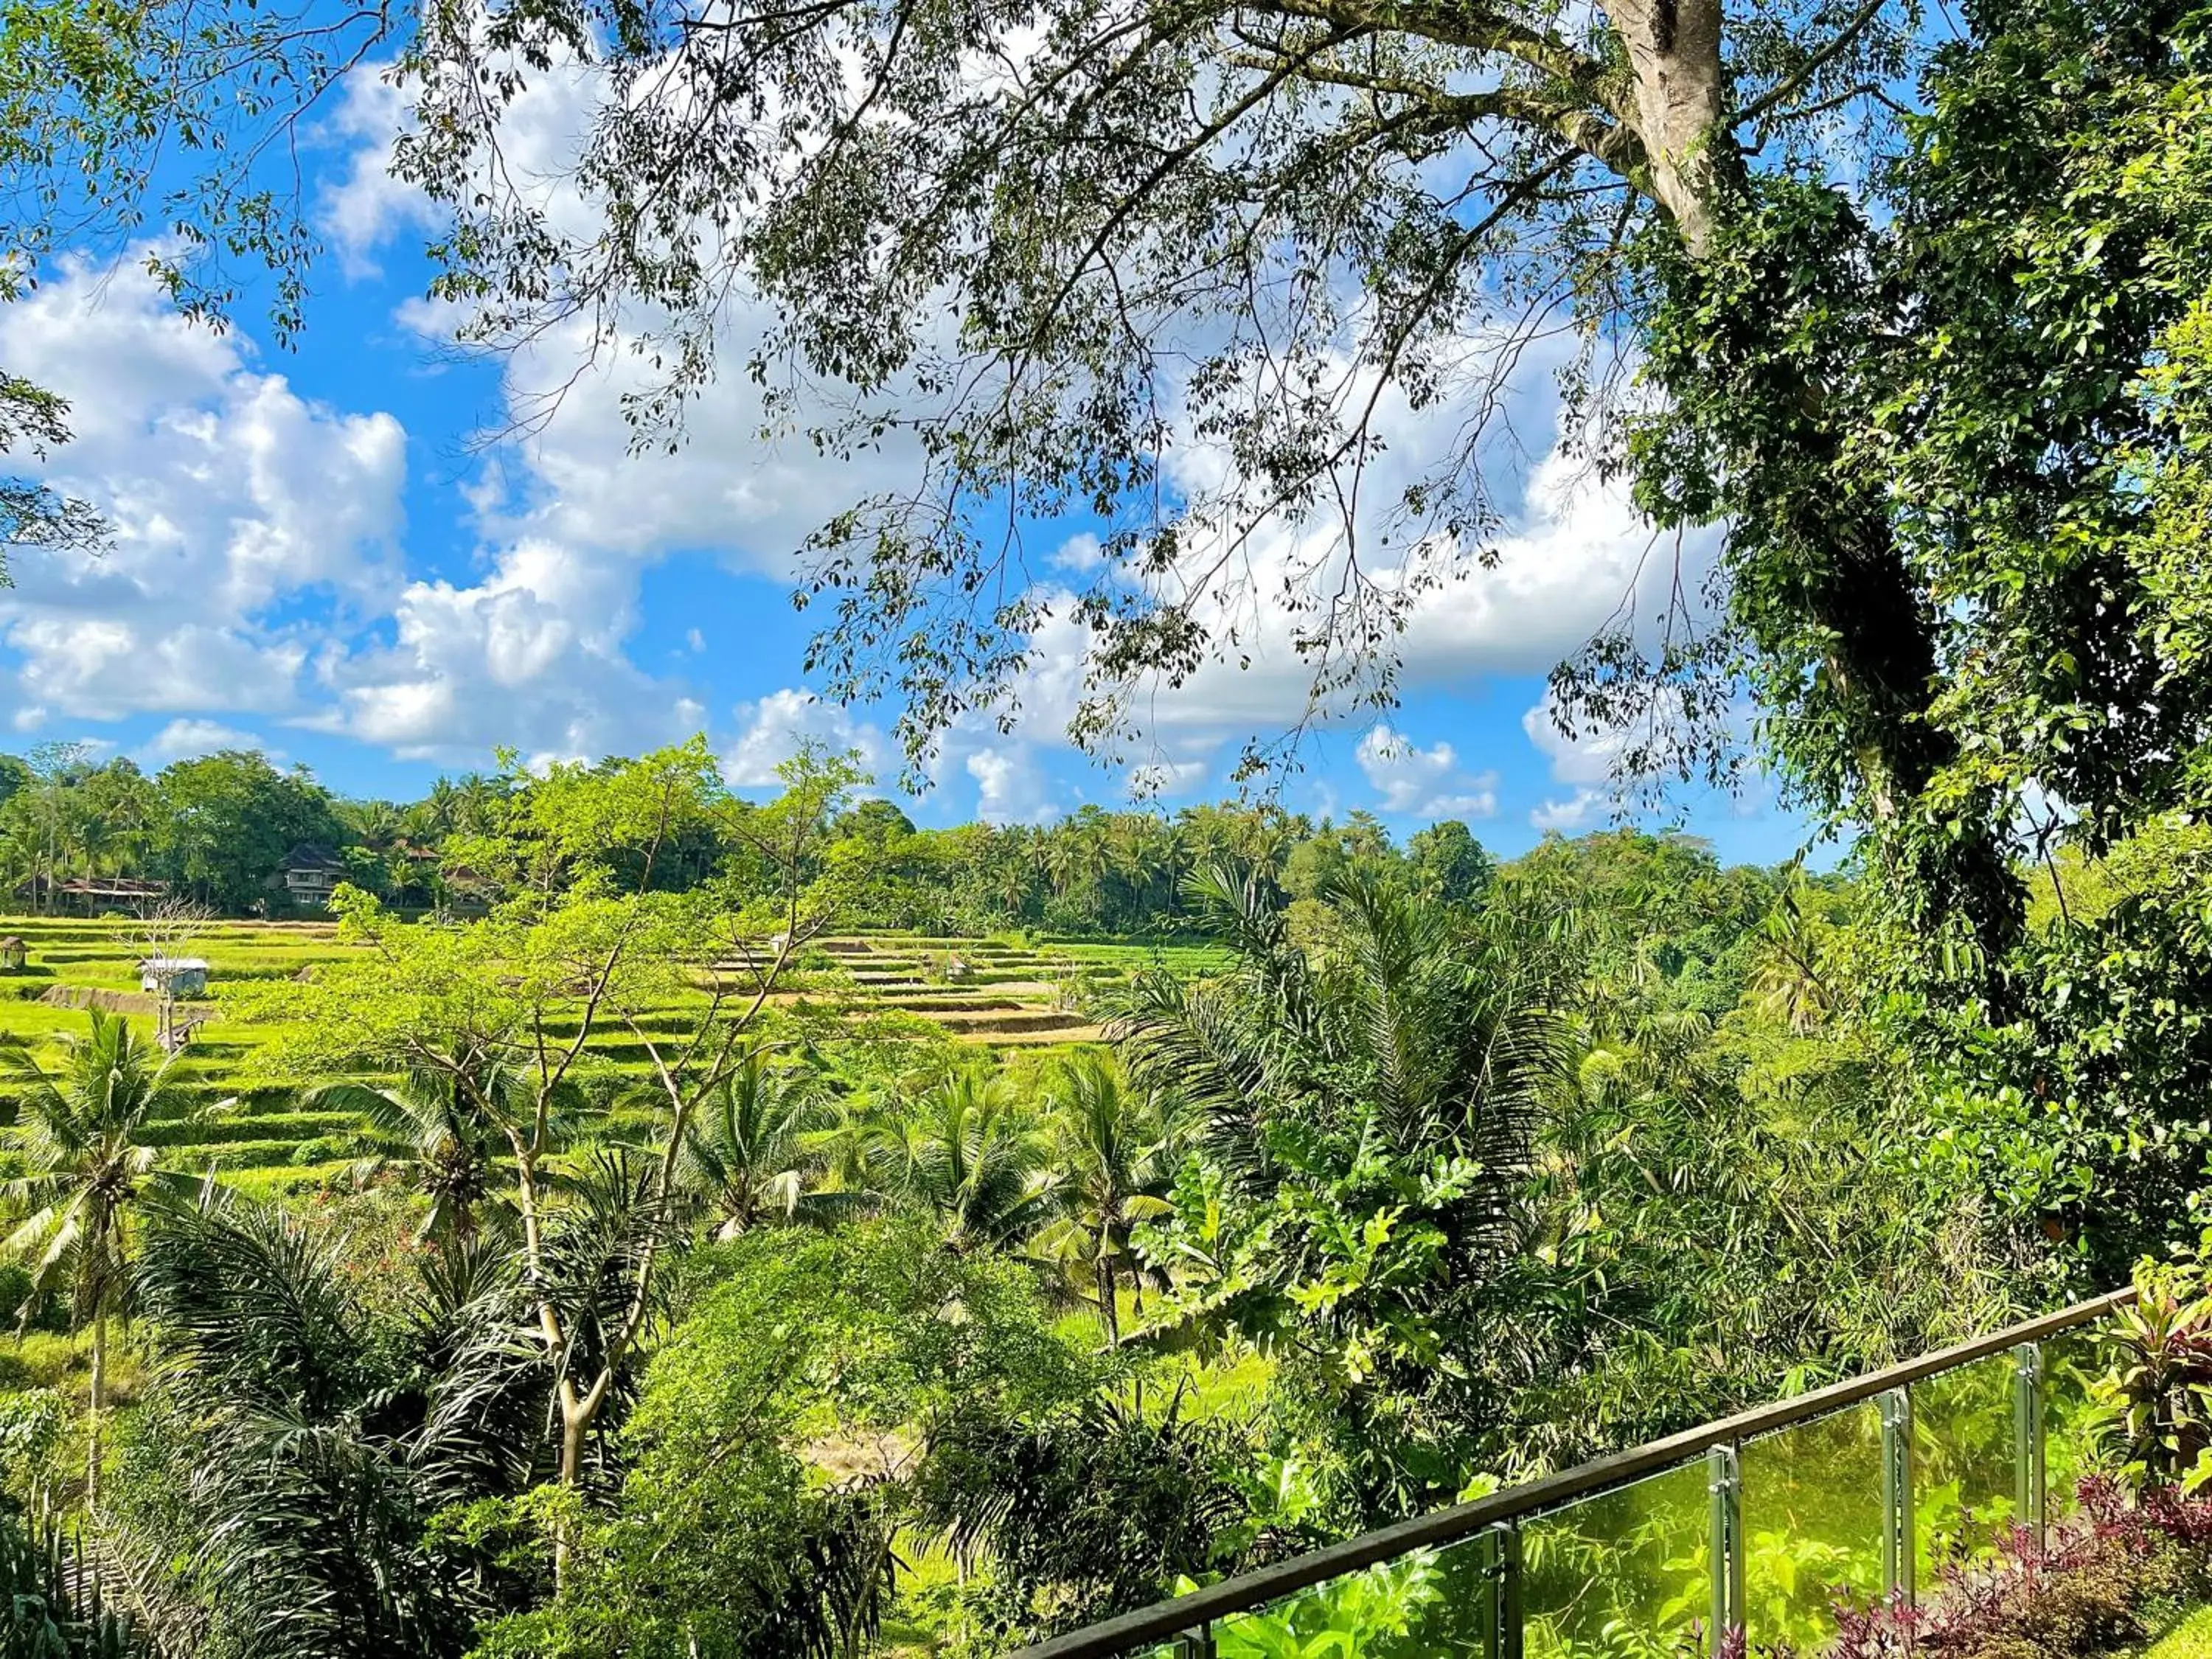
321, 553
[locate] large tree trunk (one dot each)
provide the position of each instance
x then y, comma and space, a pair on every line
1852, 580
1682, 100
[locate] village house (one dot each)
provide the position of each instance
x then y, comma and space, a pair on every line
310, 872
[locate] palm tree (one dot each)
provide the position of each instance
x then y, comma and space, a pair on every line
79, 1133
476, 803
427, 1126
1426, 1034
378, 823
755, 1151
317, 1441
963, 1153
1325, 1089
1115, 1162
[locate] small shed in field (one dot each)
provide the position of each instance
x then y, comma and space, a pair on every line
174, 977
13, 954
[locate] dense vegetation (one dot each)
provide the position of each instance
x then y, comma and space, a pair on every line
660, 1303
778, 1329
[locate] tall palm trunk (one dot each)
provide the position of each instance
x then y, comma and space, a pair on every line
99, 1403
1108, 1313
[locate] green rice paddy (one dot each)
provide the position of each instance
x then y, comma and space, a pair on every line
1001, 995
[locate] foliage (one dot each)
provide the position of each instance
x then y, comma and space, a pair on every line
2158, 1402
1113, 1161
773, 1432
230, 819
1492, 1216
964, 1153
308, 1439
44, 1588
1083, 1513
498, 1015
753, 1155
425, 1126
1993, 380
86, 1168
2102, 1588
1366, 1126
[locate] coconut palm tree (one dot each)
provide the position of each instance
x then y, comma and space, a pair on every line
964, 1153
755, 1151
424, 1125
1113, 1161
80, 1131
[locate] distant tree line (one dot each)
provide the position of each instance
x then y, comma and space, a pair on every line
219, 827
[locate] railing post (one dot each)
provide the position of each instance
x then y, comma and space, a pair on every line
1196, 1644
2027, 1439
1724, 1480
1501, 1575
1896, 1495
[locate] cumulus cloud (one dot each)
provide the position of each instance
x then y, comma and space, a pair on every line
775, 726
365, 206
1422, 783
183, 739
530, 655
247, 520
1010, 786
1576, 812
1588, 760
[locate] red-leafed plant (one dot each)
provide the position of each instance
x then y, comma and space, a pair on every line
2105, 1583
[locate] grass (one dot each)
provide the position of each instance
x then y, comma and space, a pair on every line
2191, 1638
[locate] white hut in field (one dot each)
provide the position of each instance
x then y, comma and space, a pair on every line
174, 977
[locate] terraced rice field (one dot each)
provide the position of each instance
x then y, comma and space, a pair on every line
997, 995
1003, 993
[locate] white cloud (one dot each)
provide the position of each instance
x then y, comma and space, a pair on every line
247, 520
1422, 783
1588, 760
182, 739
1591, 755
1574, 812
1010, 786
532, 656
366, 206
1081, 553
778, 723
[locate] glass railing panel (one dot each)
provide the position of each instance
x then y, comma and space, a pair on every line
1965, 1466
2073, 1361
1623, 1575
1456, 1604
1428, 1604
1812, 1527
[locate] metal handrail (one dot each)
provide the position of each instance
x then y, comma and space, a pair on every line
1163, 1621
